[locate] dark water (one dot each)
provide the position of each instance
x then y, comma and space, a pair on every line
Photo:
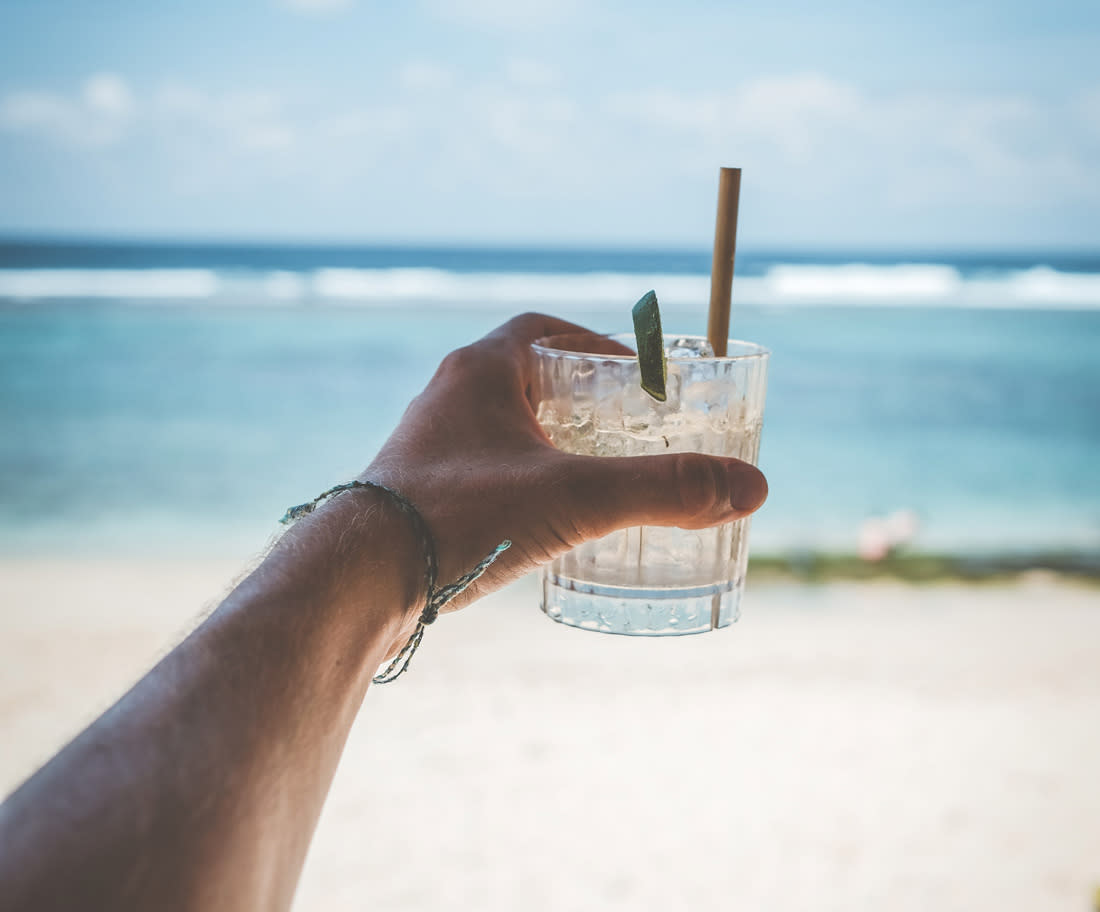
30, 254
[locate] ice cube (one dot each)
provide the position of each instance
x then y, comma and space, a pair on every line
689, 348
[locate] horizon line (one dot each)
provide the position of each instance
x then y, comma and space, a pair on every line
13, 239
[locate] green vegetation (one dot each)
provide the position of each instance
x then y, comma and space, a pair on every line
815, 567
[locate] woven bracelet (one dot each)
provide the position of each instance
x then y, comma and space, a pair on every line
436, 597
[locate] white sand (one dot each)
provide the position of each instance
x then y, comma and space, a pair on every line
844, 747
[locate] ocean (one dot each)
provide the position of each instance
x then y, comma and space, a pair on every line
176, 398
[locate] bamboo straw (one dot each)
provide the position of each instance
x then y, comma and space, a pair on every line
721, 269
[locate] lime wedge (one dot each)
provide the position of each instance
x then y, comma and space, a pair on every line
651, 346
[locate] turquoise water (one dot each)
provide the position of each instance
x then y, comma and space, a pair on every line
142, 423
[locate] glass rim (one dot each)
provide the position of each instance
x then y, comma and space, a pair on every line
751, 349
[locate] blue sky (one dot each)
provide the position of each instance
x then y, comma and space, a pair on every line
888, 124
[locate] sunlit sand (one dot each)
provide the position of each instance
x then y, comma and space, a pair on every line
852, 746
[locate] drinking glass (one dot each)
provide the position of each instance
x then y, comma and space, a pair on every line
651, 580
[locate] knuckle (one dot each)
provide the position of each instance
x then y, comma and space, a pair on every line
460, 361
699, 484
521, 330
475, 363
526, 320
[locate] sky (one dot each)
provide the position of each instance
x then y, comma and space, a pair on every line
886, 124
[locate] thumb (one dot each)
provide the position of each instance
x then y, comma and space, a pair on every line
690, 490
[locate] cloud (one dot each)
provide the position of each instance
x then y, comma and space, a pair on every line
794, 111
424, 75
317, 7
802, 135
820, 151
98, 115
238, 120
1087, 108
109, 95
506, 15
809, 135
528, 73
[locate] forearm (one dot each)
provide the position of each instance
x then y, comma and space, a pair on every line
201, 787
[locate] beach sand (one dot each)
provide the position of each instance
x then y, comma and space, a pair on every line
849, 746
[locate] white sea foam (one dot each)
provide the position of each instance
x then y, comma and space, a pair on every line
858, 282
929, 284
852, 284
495, 288
35, 284
1045, 284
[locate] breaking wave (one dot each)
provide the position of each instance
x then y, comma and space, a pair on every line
852, 284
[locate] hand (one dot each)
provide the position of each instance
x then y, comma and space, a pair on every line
201, 786
469, 453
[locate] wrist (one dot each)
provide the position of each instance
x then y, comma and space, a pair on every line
342, 532
365, 563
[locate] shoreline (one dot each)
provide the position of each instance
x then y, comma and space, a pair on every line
777, 566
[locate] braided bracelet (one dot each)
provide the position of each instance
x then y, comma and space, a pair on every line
436, 598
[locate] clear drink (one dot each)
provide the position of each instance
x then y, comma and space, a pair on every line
652, 580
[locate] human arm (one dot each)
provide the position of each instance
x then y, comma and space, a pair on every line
201, 787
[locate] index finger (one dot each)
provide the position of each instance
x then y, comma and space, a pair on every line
513, 340
521, 331
588, 343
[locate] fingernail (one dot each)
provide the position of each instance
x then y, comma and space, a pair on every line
748, 487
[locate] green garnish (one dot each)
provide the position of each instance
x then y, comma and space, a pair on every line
651, 346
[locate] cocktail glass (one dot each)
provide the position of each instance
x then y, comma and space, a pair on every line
651, 580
